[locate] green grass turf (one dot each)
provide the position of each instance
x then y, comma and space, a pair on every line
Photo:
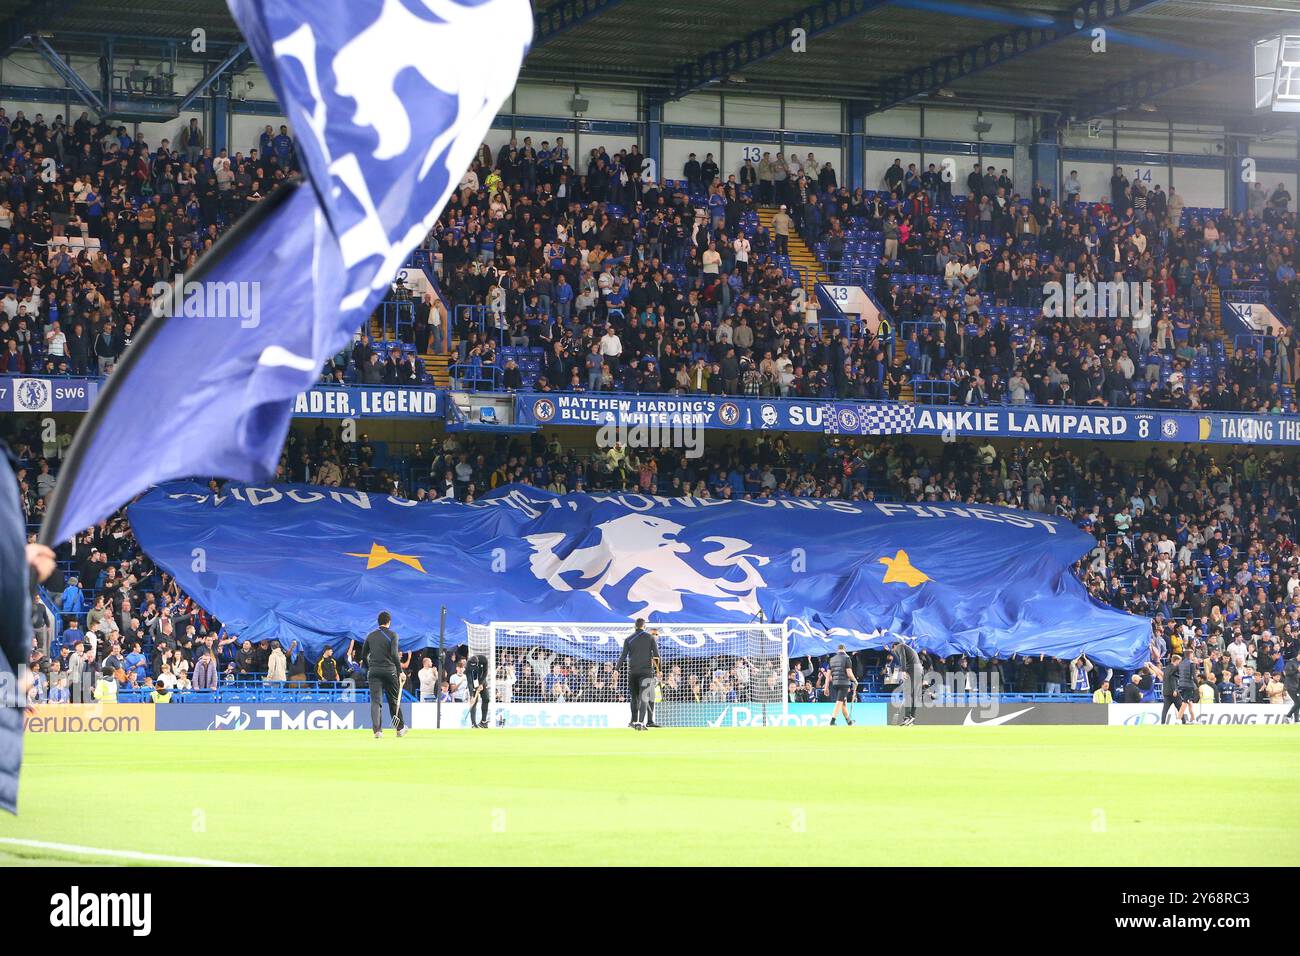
1008, 795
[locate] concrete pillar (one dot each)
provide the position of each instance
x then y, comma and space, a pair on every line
855, 160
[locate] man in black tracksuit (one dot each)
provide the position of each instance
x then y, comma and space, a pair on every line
642, 656
842, 680
383, 665
1179, 687
1291, 681
1169, 688
477, 671
908, 663
1185, 674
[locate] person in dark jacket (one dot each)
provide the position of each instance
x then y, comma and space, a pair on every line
908, 664
1133, 689
641, 654
1169, 688
327, 668
1185, 671
246, 659
477, 672
383, 658
19, 563
842, 683
693, 173
1291, 681
298, 664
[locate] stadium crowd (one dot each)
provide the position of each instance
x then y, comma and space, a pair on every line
632, 285
612, 280
1203, 544
622, 283
635, 284
84, 238
975, 262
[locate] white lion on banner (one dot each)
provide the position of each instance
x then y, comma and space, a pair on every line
637, 545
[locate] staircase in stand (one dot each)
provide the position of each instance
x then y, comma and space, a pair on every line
908, 394
437, 364
1215, 301
801, 257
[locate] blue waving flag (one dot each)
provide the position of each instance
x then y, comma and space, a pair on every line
15, 629
389, 100
297, 562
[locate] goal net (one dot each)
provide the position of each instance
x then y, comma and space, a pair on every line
567, 674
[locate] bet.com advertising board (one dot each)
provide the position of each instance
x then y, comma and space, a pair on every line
523, 716
554, 716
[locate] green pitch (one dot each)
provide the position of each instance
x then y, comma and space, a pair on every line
1102, 796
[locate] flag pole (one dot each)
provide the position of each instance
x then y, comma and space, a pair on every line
442, 637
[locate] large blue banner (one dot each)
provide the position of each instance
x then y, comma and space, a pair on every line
316, 565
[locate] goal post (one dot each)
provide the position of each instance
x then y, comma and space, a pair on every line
568, 674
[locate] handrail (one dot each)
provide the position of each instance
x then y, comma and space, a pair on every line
488, 375
932, 391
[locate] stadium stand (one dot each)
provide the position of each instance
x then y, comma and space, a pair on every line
700, 297
1204, 546
556, 275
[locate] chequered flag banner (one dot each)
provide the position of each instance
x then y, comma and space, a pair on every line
892, 419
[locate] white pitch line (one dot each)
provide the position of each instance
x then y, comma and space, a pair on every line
119, 854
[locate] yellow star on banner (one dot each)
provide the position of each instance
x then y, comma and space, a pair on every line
379, 556
899, 569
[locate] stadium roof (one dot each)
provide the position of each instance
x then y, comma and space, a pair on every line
1188, 59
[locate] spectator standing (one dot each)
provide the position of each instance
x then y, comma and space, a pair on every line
204, 675
191, 141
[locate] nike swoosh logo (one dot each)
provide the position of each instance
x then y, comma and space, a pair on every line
969, 722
